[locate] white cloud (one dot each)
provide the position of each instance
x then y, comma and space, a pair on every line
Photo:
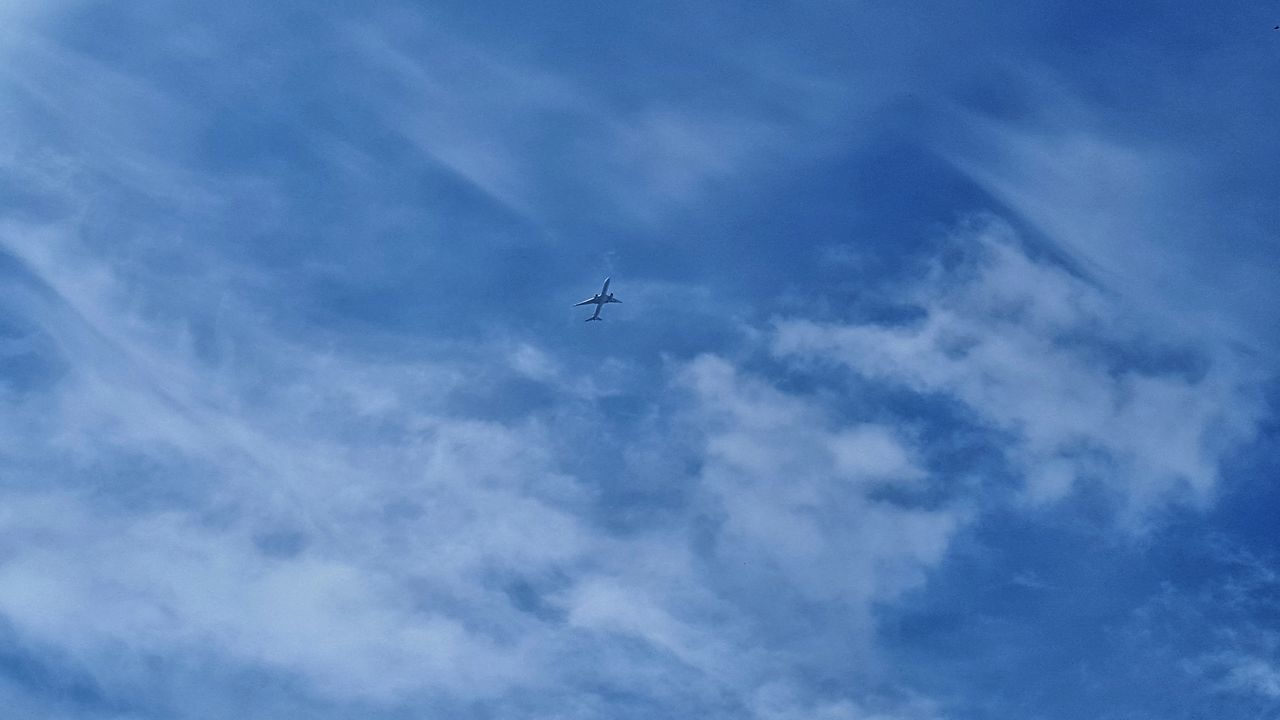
1042, 355
793, 496
283, 506
781, 701
349, 522
1253, 675
164, 584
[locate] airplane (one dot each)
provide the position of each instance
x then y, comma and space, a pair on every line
600, 299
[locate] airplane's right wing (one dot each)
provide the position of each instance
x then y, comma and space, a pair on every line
588, 301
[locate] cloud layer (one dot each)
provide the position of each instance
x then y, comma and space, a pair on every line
941, 385
1033, 351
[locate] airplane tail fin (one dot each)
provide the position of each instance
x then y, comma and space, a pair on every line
594, 318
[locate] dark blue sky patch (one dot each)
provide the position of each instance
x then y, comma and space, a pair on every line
55, 680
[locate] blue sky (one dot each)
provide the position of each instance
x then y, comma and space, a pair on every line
944, 384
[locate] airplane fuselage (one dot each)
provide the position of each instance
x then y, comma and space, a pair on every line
600, 299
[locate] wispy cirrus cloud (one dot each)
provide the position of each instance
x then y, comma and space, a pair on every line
1142, 213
